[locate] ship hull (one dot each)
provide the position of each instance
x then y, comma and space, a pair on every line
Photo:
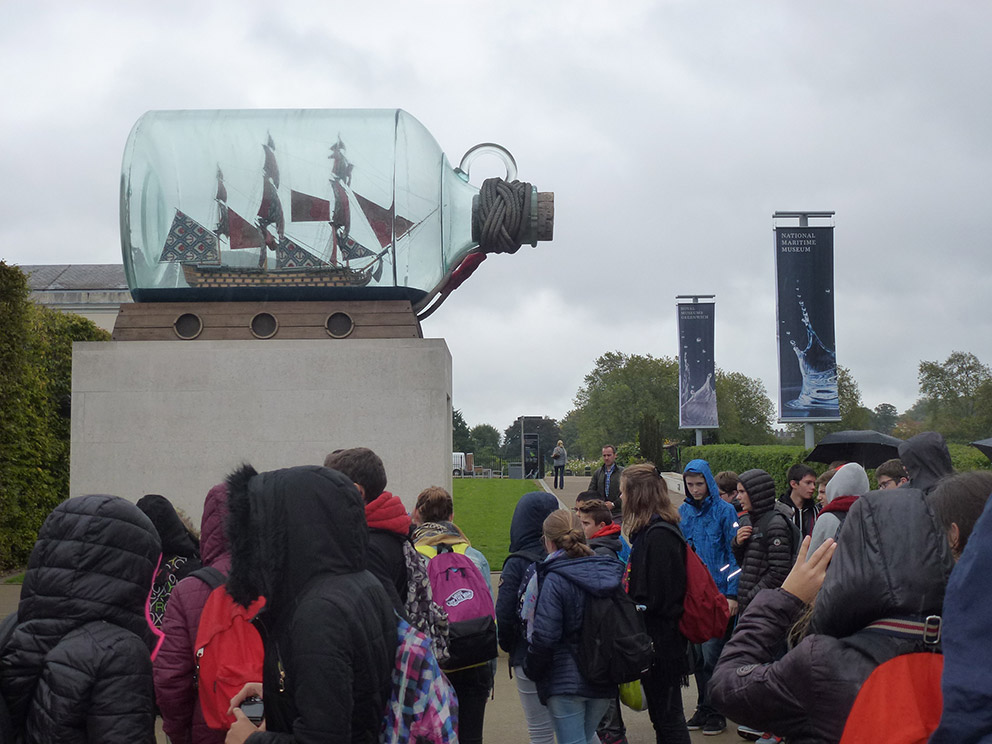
223, 277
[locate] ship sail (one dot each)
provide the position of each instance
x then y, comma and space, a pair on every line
189, 241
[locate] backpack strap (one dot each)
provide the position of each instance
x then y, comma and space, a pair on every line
927, 630
212, 577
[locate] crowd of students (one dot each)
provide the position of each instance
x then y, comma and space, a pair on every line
824, 585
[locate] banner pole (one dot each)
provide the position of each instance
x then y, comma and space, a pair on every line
699, 437
808, 428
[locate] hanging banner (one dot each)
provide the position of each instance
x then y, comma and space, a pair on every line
697, 372
804, 269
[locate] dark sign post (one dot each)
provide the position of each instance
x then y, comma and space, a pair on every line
804, 270
697, 370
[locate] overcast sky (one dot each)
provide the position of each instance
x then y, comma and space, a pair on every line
669, 131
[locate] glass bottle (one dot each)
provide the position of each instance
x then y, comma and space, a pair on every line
297, 205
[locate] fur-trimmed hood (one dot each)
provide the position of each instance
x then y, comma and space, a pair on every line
287, 526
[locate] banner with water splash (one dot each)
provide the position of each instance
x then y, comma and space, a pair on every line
804, 267
697, 379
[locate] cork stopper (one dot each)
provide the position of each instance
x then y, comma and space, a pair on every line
545, 227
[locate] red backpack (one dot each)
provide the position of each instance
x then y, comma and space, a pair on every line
705, 612
899, 702
228, 649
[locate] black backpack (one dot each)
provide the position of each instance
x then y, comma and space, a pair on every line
780, 509
613, 645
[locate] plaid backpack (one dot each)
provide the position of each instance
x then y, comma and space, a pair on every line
422, 708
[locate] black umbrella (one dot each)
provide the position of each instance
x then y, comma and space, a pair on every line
984, 446
867, 448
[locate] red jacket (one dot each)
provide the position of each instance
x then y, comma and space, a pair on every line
174, 667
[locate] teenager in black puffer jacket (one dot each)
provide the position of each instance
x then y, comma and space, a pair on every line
78, 667
298, 538
765, 559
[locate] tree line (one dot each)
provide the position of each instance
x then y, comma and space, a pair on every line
631, 401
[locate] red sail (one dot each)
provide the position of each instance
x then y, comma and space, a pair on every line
271, 168
243, 233
382, 221
221, 189
306, 208
342, 208
270, 210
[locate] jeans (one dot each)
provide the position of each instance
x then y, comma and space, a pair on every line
538, 717
575, 717
665, 708
472, 686
706, 657
559, 476
611, 728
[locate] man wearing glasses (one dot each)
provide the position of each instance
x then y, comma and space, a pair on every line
890, 474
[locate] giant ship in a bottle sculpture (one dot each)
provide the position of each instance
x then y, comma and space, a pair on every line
311, 205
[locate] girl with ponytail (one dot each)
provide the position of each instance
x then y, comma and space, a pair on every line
555, 600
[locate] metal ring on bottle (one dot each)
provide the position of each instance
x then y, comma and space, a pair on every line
488, 148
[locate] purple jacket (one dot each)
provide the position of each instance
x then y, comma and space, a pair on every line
174, 667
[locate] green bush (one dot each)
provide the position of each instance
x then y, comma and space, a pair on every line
774, 459
35, 385
966, 457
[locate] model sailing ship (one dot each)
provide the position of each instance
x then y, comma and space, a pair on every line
343, 261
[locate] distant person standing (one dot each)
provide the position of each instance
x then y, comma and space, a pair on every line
606, 482
559, 457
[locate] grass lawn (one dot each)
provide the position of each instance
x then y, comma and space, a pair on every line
484, 508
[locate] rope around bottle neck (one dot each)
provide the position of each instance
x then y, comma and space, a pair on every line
503, 215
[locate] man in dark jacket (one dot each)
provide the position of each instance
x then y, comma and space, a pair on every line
801, 497
298, 538
387, 518
926, 459
78, 667
606, 482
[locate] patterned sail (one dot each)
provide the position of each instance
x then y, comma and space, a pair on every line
189, 241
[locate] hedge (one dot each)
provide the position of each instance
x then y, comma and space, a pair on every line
776, 459
35, 384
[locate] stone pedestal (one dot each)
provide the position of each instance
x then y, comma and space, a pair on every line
175, 417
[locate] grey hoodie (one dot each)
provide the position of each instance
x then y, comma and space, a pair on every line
850, 480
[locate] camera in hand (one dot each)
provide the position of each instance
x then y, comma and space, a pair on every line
254, 709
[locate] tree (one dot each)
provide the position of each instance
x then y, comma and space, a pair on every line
651, 440
618, 392
546, 429
884, 418
953, 396
461, 438
485, 439
744, 409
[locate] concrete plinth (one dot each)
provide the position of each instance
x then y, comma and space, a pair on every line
175, 417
